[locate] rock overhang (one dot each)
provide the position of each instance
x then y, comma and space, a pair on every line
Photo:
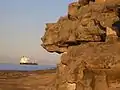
68, 31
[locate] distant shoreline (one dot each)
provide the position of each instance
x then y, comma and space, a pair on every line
12, 67
46, 70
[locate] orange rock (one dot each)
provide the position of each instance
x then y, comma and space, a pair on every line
100, 1
72, 8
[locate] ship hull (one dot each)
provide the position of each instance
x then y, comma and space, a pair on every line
28, 63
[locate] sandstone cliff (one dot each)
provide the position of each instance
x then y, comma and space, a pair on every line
88, 38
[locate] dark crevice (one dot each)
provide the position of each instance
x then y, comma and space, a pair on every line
72, 43
93, 0
116, 27
118, 10
84, 41
103, 37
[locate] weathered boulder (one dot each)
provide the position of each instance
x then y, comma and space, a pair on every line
91, 64
66, 32
88, 40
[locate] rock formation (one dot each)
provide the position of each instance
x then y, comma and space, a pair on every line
88, 39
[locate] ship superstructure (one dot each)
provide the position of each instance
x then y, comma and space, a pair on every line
26, 61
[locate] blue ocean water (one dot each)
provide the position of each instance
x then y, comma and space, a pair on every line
25, 67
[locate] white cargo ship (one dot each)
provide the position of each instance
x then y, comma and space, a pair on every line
26, 61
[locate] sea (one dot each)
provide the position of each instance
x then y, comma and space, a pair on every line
25, 67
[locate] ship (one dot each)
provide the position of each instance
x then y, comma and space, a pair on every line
26, 61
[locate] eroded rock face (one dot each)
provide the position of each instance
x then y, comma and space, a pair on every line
78, 27
91, 65
88, 40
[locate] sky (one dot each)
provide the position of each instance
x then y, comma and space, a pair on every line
22, 24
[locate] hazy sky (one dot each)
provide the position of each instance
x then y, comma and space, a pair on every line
22, 24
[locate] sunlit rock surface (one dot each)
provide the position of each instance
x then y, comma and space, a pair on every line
88, 39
